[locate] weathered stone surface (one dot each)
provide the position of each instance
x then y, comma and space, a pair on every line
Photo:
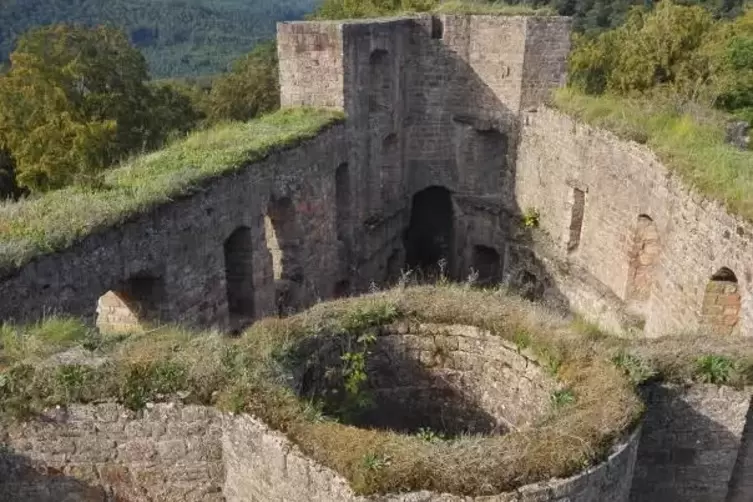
625, 183
691, 444
169, 452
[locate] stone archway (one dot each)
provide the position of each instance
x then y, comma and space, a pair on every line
720, 312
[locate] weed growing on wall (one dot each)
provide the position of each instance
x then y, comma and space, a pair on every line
714, 369
531, 218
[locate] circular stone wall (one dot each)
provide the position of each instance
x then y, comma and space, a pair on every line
444, 378
447, 378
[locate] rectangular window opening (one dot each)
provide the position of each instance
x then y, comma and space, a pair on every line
576, 219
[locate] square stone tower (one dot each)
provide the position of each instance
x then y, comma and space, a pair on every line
431, 101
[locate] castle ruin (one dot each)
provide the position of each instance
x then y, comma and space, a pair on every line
447, 145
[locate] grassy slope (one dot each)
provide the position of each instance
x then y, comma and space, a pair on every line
689, 142
57, 219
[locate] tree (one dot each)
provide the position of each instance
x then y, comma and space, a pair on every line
75, 100
250, 89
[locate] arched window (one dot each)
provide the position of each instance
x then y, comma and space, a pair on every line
239, 275
720, 312
644, 255
131, 307
380, 81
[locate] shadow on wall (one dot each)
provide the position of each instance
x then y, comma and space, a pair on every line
440, 146
683, 456
400, 393
23, 481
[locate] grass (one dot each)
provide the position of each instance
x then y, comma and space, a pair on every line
689, 141
492, 8
596, 405
58, 219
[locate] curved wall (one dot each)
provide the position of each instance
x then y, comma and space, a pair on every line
622, 180
263, 465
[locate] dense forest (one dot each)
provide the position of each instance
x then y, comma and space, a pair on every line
177, 37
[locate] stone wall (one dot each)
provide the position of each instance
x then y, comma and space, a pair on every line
105, 452
451, 379
263, 465
173, 263
431, 101
694, 242
691, 444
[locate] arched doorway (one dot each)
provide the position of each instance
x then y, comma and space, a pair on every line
429, 237
239, 275
720, 312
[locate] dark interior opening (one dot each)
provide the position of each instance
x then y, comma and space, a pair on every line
429, 237
437, 27
239, 276
724, 275
133, 306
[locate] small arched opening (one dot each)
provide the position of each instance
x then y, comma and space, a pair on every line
720, 312
429, 237
132, 307
486, 262
239, 276
644, 255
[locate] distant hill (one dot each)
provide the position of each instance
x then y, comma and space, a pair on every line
178, 37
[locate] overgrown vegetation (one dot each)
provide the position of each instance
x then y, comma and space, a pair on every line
58, 218
673, 51
595, 405
354, 9
673, 77
688, 139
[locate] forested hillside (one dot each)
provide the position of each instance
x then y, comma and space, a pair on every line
178, 37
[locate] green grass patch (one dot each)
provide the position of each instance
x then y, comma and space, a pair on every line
492, 8
689, 141
37, 341
58, 219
